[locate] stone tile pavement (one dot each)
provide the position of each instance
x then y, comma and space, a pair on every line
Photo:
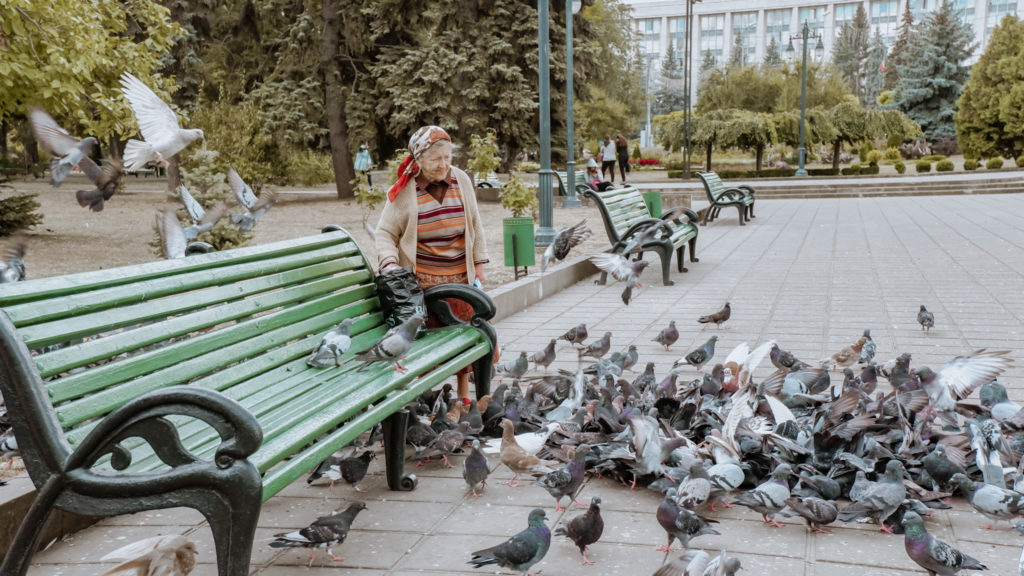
811, 274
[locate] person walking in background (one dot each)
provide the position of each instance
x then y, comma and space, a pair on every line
607, 158
363, 163
622, 154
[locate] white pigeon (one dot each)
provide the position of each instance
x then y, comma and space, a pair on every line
254, 207
202, 220
172, 236
332, 346
157, 556
961, 376
163, 136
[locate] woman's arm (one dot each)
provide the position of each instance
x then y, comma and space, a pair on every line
389, 231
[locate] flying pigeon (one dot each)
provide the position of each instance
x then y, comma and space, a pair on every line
584, 529
323, 533
598, 348
718, 318
961, 376
12, 264
690, 563
668, 336
66, 152
156, 556
255, 208
926, 319
106, 181
159, 127
566, 481
546, 356
475, 468
172, 236
622, 270
575, 335
699, 356
393, 345
565, 240
202, 220
521, 551
332, 346
994, 502
935, 556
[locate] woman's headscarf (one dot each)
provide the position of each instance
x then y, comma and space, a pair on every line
421, 140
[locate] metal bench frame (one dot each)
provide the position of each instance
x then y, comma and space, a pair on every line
719, 195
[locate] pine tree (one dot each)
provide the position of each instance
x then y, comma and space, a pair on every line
736, 57
874, 74
934, 76
772, 57
851, 50
904, 39
669, 95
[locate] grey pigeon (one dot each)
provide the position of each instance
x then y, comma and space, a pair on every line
159, 127
65, 151
880, 499
584, 529
331, 462
447, 442
622, 270
668, 336
521, 551
546, 356
994, 502
680, 523
691, 563
783, 359
717, 318
565, 240
566, 481
935, 556
867, 351
939, 467
106, 181
598, 348
961, 376
323, 533
816, 511
472, 418
12, 263
514, 368
699, 356
695, 489
255, 208
994, 397
926, 319
202, 220
173, 242
475, 468
332, 346
629, 357
770, 496
170, 555
575, 335
393, 345
352, 469
9, 446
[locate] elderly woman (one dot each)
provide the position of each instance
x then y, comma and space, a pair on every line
431, 223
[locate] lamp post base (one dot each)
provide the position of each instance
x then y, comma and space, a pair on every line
571, 200
801, 172
544, 236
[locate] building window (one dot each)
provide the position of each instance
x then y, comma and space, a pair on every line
919, 7
712, 35
677, 35
844, 15
965, 8
775, 23
745, 24
884, 19
815, 18
650, 37
996, 10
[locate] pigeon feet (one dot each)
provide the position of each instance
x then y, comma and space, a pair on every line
514, 483
820, 530
580, 504
335, 558
987, 527
586, 561
883, 528
771, 522
665, 548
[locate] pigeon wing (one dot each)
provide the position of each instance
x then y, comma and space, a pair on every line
242, 190
966, 373
613, 264
54, 139
172, 237
192, 206
157, 121
91, 170
517, 550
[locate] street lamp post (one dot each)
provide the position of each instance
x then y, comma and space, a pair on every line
687, 72
571, 200
819, 49
545, 233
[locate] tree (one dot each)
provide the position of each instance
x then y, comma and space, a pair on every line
990, 113
669, 95
601, 115
933, 78
772, 57
736, 56
851, 50
906, 36
748, 129
874, 71
745, 88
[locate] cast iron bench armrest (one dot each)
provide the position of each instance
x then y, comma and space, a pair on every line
483, 307
690, 215
747, 188
642, 225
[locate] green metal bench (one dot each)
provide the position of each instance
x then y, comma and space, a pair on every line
563, 183
742, 197
184, 382
625, 214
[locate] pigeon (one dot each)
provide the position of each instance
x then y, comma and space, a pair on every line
680, 523
393, 345
332, 346
622, 270
961, 376
696, 489
106, 181
156, 556
12, 264
783, 359
926, 319
691, 563
66, 152
867, 351
699, 356
878, 499
937, 557
566, 481
516, 457
994, 502
816, 511
323, 533
584, 529
598, 348
847, 356
718, 318
202, 220
521, 551
159, 127
447, 442
330, 464
565, 240
514, 368
994, 397
472, 418
9, 447
353, 470
668, 336
940, 467
575, 335
770, 496
546, 356
172, 237
255, 208
475, 468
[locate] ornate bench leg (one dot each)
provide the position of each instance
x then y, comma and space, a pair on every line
665, 254
693, 250
394, 452
19, 554
681, 258
482, 375
741, 211
233, 516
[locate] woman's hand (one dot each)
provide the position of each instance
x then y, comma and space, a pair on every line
479, 272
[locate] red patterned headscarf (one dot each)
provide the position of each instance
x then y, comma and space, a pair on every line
423, 139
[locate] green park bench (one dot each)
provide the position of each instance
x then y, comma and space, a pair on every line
184, 382
719, 196
625, 214
563, 183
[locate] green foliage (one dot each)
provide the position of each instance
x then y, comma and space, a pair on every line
892, 153
234, 130
772, 57
850, 51
19, 212
636, 155
674, 173
944, 166
863, 150
601, 115
741, 87
519, 198
990, 113
1019, 161
906, 36
933, 158
923, 166
875, 156
308, 168
528, 167
899, 166
871, 169
970, 164
853, 170
894, 140
368, 197
994, 163
483, 154
874, 77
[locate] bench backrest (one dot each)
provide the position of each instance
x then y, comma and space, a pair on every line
99, 339
620, 208
713, 185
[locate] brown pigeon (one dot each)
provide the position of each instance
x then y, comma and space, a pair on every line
718, 318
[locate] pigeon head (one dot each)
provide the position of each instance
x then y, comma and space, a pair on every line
894, 470
961, 481
639, 266
782, 471
537, 517
992, 394
925, 374
346, 324
87, 143
912, 520
192, 134
595, 502
867, 333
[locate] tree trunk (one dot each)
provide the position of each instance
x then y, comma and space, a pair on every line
334, 101
757, 163
3, 139
173, 174
836, 147
708, 168
114, 146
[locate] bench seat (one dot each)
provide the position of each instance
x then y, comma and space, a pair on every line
719, 195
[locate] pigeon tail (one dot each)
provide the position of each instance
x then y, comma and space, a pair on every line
137, 153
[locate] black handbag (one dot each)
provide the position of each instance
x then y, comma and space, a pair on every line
400, 296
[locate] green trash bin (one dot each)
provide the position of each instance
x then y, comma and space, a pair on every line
524, 249
653, 201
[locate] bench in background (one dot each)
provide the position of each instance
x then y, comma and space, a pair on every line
719, 196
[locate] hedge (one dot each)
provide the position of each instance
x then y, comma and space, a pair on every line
970, 164
944, 166
994, 163
923, 165
1019, 161
899, 166
933, 157
853, 170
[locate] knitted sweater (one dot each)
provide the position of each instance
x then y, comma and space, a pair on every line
396, 231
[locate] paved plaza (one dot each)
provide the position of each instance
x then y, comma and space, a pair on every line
811, 274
